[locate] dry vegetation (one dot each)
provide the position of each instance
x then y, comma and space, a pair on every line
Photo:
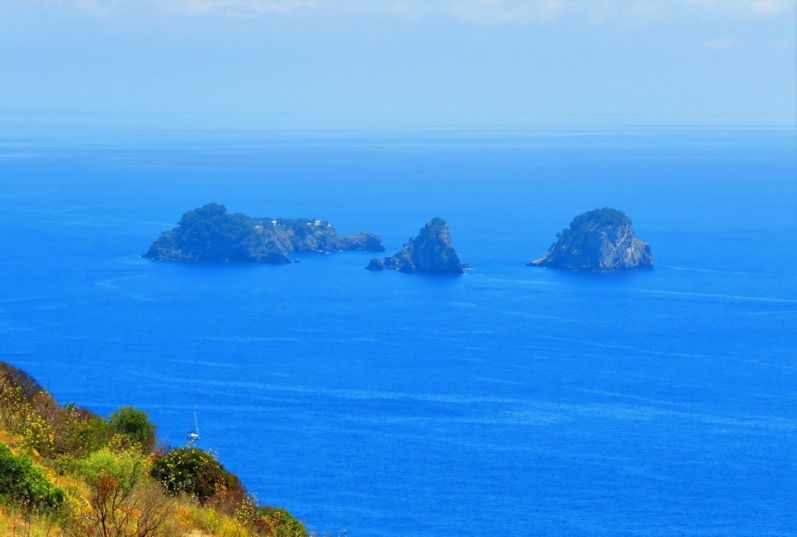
66, 472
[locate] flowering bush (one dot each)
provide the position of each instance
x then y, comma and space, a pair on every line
195, 472
134, 424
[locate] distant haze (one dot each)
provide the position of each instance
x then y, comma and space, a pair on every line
264, 63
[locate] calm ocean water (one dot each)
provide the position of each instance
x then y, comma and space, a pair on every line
524, 401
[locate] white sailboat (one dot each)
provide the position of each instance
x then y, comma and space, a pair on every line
193, 436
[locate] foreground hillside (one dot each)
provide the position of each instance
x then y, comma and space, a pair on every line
65, 471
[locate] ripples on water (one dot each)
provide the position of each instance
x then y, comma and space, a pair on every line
542, 403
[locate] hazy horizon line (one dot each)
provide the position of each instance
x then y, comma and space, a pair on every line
383, 122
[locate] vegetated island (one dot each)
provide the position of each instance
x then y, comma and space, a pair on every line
431, 252
211, 234
65, 471
598, 241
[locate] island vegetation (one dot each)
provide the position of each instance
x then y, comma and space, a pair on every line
66, 471
212, 234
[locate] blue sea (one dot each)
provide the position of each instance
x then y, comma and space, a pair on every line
511, 401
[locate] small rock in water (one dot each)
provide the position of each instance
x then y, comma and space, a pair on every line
375, 264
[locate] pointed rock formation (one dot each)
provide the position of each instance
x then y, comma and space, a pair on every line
430, 252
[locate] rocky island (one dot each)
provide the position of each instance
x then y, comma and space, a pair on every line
212, 234
430, 252
599, 241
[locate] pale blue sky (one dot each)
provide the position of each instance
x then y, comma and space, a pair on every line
305, 62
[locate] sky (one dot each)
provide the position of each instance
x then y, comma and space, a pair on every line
356, 62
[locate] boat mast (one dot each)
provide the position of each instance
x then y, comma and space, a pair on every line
193, 436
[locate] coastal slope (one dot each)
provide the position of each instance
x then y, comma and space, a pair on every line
67, 471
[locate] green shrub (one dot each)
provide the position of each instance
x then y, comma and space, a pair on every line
124, 468
278, 522
123, 501
92, 434
195, 472
80, 432
25, 486
135, 425
66, 464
